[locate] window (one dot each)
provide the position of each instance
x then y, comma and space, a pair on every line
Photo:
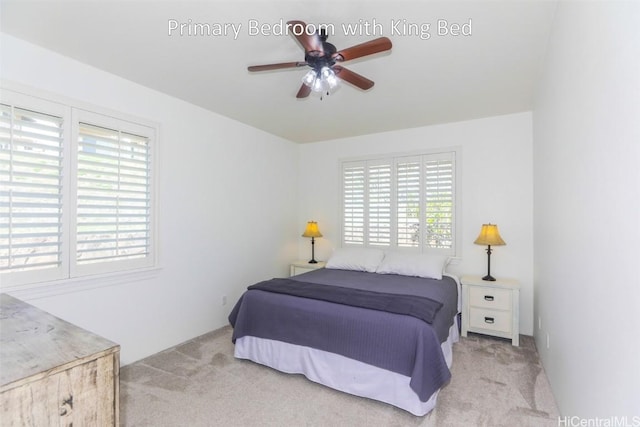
401, 202
353, 187
379, 191
77, 192
31, 194
113, 195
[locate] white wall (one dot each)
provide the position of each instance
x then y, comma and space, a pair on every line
587, 209
496, 187
226, 209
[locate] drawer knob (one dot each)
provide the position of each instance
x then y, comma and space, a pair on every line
488, 297
489, 320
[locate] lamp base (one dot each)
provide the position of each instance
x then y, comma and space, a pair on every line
313, 261
489, 278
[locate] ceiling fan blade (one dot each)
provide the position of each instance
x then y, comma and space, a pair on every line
353, 78
279, 66
309, 42
304, 91
367, 48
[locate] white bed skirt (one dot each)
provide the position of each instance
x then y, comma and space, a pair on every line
342, 373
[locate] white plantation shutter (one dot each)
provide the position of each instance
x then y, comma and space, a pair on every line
439, 201
401, 202
353, 184
77, 195
31, 160
408, 202
113, 195
379, 204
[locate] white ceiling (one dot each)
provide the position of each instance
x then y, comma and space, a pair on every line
420, 82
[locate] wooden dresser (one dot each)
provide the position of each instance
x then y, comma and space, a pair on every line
53, 372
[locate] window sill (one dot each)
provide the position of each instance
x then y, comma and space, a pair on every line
66, 286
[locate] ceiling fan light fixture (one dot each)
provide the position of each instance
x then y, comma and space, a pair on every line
329, 76
324, 80
319, 85
309, 78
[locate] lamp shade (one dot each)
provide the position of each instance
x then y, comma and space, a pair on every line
489, 235
312, 230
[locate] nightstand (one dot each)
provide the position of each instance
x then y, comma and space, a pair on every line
491, 308
299, 267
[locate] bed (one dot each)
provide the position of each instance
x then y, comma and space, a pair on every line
386, 337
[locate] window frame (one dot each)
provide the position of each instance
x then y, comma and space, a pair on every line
25, 102
394, 159
69, 276
92, 118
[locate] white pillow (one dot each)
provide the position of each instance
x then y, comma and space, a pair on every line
358, 259
408, 264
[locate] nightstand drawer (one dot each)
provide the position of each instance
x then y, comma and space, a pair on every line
485, 297
499, 321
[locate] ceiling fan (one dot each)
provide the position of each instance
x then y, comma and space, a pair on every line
323, 58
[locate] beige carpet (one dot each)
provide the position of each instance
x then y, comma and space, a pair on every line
199, 383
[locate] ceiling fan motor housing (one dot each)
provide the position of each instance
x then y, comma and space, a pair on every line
317, 59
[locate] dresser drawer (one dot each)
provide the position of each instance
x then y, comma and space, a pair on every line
499, 321
485, 297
